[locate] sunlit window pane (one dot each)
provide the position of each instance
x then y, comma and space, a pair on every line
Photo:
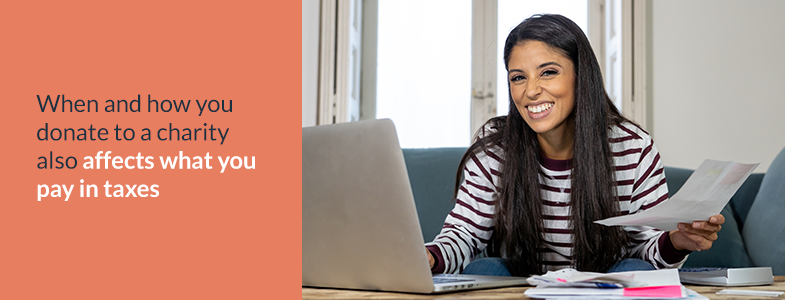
424, 71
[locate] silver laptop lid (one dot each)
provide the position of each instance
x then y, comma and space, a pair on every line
360, 225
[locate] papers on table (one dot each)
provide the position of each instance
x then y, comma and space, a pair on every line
570, 284
688, 295
573, 278
704, 194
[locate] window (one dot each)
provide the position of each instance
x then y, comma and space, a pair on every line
434, 67
424, 70
436, 80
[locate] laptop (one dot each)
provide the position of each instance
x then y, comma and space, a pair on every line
360, 226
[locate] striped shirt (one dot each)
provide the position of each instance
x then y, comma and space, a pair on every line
640, 186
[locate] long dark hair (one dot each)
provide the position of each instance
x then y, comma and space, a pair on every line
518, 233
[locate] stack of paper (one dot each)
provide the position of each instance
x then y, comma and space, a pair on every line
571, 284
572, 278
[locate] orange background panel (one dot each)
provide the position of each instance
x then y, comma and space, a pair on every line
213, 235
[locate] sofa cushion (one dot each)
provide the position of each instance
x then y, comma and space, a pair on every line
728, 251
764, 229
744, 197
432, 176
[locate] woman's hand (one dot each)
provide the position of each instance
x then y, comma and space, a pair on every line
431, 261
697, 236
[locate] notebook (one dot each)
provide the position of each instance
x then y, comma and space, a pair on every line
727, 276
360, 228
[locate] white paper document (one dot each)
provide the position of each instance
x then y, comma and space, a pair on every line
570, 278
703, 195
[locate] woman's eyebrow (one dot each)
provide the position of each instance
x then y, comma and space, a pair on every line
548, 64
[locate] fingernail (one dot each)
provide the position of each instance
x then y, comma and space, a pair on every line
696, 225
681, 226
713, 220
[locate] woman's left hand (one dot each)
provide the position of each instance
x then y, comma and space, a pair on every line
697, 236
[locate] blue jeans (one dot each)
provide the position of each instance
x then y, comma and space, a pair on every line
491, 266
631, 264
496, 266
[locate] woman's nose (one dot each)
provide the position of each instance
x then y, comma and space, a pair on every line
533, 89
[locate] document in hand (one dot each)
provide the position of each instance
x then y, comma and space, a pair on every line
704, 194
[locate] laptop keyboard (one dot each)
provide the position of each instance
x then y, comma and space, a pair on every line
445, 279
703, 269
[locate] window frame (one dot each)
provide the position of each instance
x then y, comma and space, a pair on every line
332, 109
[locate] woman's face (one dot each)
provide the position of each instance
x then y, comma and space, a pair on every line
542, 85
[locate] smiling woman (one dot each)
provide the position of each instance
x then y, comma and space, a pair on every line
426, 71
535, 180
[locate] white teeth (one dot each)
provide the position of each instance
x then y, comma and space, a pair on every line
540, 108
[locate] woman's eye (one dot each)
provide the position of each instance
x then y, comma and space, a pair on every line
549, 72
516, 78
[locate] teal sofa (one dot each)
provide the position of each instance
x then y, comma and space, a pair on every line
753, 233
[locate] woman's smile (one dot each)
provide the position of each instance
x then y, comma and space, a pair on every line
539, 110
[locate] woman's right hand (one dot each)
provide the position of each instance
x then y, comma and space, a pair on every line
431, 261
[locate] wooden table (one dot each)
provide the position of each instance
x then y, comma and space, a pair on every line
517, 293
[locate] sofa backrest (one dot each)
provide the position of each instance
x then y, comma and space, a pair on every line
432, 176
764, 231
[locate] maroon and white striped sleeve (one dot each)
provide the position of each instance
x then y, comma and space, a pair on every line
469, 226
650, 189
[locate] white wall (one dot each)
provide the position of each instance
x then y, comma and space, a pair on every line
310, 61
718, 72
